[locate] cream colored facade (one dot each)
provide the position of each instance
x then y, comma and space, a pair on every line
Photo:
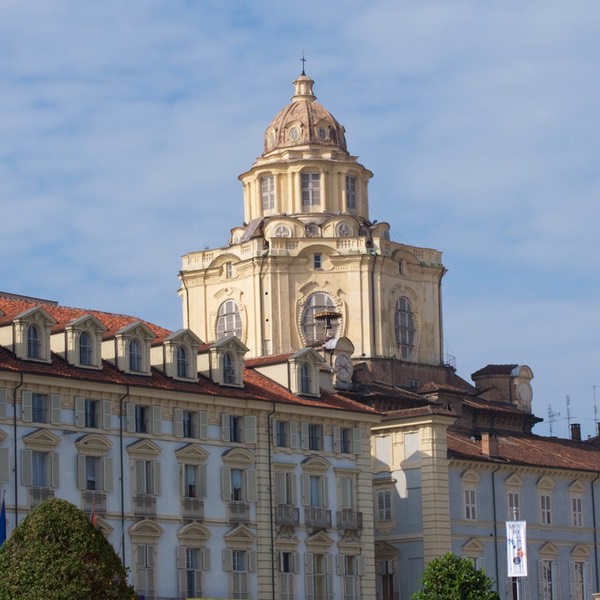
308, 246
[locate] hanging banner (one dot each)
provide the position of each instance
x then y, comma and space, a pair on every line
516, 547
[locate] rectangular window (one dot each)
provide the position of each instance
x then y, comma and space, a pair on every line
237, 485
345, 440
577, 511
267, 189
91, 413
384, 505
235, 429
513, 506
315, 437
189, 424
191, 481
282, 431
39, 469
145, 575
545, 509
141, 424
317, 261
317, 579
548, 580
311, 189
192, 572
470, 504
92, 473
350, 193
347, 493
284, 493
39, 408
240, 574
315, 491
146, 472
286, 576
581, 580
350, 578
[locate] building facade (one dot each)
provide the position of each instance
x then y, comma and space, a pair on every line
210, 478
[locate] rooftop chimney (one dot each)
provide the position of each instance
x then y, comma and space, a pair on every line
576, 432
489, 444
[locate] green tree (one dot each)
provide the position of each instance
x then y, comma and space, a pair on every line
55, 553
451, 577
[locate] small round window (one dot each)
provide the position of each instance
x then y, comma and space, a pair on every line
294, 134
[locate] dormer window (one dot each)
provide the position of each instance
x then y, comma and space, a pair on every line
182, 362
228, 368
34, 346
313, 230
311, 189
135, 356
305, 379
85, 349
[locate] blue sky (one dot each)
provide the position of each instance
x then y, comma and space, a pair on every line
124, 126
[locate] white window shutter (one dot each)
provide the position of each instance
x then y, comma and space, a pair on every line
178, 422
325, 486
26, 467
250, 429
81, 482
305, 490
3, 396
225, 427
156, 420
140, 477
308, 563
588, 579
226, 484
280, 488
26, 407
202, 481
360, 565
182, 574
336, 439
180, 554
357, 441
339, 564
130, 416
295, 562
54, 470
106, 414
4, 470
293, 434
79, 411
556, 576
227, 560
156, 473
55, 409
250, 485
304, 436
205, 557
107, 474
202, 424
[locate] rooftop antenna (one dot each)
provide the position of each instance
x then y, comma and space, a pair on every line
303, 61
552, 417
568, 413
595, 406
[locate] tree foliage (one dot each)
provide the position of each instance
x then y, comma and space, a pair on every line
55, 553
451, 577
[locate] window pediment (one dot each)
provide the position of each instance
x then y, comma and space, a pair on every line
143, 448
577, 487
514, 481
41, 439
93, 444
318, 542
579, 552
545, 483
473, 548
238, 456
315, 464
146, 531
470, 477
240, 536
192, 452
548, 550
193, 532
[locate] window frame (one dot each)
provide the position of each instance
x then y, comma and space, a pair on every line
310, 183
267, 192
404, 327
351, 192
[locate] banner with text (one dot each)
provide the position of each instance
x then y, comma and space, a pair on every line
516, 547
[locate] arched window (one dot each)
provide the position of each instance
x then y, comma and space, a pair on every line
85, 348
135, 356
182, 362
34, 347
305, 379
228, 320
312, 329
228, 368
404, 327
282, 231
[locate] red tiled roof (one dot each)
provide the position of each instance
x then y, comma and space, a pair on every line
495, 370
10, 307
528, 450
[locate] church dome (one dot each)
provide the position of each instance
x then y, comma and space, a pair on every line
304, 122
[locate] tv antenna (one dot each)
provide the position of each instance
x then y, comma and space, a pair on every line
568, 413
552, 416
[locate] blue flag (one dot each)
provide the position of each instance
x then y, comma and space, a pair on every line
3, 523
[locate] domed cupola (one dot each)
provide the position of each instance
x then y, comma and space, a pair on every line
304, 122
